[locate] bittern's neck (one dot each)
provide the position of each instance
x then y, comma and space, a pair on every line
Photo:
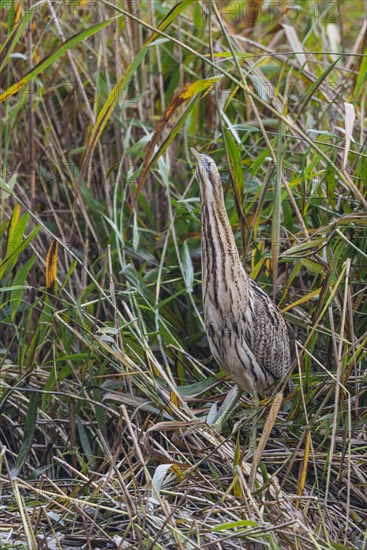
216, 229
220, 259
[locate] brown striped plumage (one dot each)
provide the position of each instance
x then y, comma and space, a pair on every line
246, 331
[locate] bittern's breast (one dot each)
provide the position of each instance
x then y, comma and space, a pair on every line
231, 342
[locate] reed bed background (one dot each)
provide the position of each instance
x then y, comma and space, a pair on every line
106, 375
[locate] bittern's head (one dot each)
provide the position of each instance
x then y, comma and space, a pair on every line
208, 174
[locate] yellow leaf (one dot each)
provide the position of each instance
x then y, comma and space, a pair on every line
303, 299
174, 398
51, 265
18, 12
303, 470
178, 470
255, 269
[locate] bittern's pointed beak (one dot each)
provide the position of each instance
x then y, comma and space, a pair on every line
196, 155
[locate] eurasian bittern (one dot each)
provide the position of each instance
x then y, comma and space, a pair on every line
247, 334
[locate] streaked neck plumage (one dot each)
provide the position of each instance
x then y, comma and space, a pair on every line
220, 259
